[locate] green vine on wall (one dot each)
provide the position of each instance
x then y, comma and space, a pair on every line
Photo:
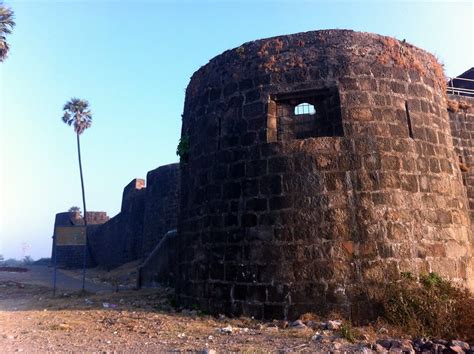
183, 149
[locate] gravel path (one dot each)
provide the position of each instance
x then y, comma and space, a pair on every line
43, 276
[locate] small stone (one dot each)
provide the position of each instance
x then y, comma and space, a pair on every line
298, 324
379, 348
64, 326
314, 324
226, 330
428, 345
441, 341
181, 335
334, 325
272, 329
456, 349
386, 343
210, 351
460, 343
282, 324
337, 346
395, 343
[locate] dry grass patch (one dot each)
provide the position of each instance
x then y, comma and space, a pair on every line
429, 306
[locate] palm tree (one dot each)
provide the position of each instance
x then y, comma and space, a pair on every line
78, 114
6, 26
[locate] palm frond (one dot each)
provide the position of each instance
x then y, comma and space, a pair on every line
6, 26
77, 114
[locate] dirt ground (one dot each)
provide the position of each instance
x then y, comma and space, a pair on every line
32, 320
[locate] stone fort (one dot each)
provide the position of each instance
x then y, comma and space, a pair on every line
320, 166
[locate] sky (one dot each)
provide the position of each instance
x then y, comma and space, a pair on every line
132, 61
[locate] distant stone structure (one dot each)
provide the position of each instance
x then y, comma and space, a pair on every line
148, 211
321, 164
70, 239
118, 241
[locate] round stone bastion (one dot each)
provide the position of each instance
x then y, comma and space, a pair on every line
320, 167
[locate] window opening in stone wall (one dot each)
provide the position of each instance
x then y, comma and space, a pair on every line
302, 115
304, 108
410, 129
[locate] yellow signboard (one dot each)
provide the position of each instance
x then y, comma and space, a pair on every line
70, 235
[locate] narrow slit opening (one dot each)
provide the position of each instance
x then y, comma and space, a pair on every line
410, 129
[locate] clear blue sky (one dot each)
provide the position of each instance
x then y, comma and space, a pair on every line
132, 60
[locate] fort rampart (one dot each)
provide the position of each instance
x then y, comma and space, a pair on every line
148, 211
321, 164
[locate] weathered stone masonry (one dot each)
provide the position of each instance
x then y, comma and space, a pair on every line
283, 213
119, 240
161, 207
161, 213
320, 165
72, 256
147, 213
462, 128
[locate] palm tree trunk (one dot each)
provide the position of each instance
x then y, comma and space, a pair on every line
85, 213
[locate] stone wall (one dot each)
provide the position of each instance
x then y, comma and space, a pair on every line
72, 256
119, 240
274, 225
461, 116
160, 267
161, 205
146, 214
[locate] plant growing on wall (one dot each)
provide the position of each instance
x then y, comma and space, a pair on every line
183, 149
6, 26
78, 115
74, 209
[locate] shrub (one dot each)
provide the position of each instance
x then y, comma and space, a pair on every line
183, 148
348, 332
429, 306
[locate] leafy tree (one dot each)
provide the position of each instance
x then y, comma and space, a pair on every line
75, 209
78, 115
6, 27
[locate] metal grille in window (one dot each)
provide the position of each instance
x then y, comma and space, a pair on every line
304, 108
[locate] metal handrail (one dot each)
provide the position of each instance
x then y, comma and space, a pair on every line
455, 90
